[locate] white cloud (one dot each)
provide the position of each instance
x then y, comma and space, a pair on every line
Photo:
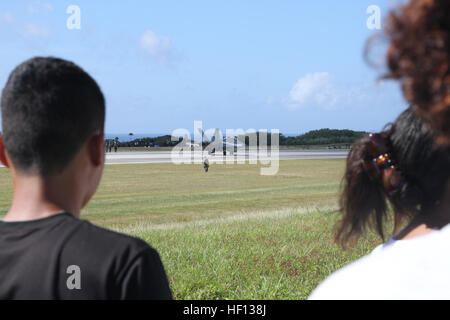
24, 28
7, 17
318, 89
159, 47
34, 30
39, 6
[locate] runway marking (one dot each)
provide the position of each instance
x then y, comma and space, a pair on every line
143, 157
143, 226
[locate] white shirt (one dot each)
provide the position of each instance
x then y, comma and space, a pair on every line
417, 268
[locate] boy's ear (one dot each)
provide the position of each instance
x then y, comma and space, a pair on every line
96, 149
3, 157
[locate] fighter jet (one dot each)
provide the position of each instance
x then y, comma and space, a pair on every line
217, 142
188, 144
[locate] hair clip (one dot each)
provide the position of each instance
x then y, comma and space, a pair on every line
380, 165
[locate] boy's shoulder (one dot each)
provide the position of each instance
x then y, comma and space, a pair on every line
98, 242
67, 253
108, 238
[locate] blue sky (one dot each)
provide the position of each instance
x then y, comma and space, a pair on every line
293, 65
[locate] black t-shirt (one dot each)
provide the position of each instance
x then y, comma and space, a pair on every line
62, 257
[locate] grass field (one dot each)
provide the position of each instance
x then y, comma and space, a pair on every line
229, 233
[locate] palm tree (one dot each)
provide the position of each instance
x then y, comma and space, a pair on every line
130, 135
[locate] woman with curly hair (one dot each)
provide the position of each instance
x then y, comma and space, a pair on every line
403, 169
419, 57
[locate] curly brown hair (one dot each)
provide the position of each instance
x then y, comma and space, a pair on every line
419, 57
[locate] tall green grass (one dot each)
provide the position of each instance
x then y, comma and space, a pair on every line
229, 233
281, 254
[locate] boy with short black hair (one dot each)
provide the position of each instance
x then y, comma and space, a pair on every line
53, 117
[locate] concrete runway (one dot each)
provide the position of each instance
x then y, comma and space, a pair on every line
166, 156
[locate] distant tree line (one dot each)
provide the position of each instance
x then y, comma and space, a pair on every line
322, 137
161, 141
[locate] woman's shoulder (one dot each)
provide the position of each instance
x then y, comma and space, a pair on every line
395, 269
347, 282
